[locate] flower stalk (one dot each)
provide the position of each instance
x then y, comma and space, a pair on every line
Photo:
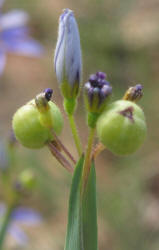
75, 134
87, 160
97, 150
57, 154
62, 147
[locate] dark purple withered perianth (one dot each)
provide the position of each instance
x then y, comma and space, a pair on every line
134, 94
97, 89
137, 91
48, 94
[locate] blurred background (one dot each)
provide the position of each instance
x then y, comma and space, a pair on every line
120, 38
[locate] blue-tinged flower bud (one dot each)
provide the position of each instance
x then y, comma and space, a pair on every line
97, 90
67, 59
134, 94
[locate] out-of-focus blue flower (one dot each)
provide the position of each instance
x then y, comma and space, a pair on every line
21, 216
67, 59
15, 36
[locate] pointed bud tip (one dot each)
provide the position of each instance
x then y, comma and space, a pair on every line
67, 12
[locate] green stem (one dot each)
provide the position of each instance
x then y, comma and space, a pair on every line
87, 161
75, 134
5, 224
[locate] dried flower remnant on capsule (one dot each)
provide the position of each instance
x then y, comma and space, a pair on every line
42, 100
48, 94
97, 90
134, 94
67, 59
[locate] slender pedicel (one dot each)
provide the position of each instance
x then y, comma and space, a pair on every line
56, 153
97, 150
75, 134
61, 145
87, 160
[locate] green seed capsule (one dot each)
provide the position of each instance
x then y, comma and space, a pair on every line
29, 128
122, 127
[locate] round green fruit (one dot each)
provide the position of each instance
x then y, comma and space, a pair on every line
122, 127
29, 128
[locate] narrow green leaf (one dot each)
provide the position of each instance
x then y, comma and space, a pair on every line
73, 237
89, 209
82, 217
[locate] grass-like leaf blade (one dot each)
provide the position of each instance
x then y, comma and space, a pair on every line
82, 217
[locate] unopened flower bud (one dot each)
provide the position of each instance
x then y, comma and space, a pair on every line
97, 90
67, 59
42, 100
122, 127
134, 94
